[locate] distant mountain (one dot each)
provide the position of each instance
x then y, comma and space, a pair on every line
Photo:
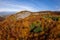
24, 14
6, 13
3, 15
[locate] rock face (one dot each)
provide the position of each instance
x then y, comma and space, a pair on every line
27, 25
23, 14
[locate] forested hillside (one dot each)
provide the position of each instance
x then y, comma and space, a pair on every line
26, 25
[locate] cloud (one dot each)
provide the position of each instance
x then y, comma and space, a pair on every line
18, 5
9, 6
57, 7
25, 5
15, 7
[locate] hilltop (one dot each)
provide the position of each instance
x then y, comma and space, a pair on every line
24, 14
26, 25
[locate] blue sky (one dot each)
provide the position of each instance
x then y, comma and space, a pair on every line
30, 5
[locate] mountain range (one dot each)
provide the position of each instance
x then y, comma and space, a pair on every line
23, 14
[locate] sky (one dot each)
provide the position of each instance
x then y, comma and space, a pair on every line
30, 5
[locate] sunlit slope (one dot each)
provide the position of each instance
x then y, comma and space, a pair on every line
27, 25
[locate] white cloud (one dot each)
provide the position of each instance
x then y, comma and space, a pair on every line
57, 7
15, 7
